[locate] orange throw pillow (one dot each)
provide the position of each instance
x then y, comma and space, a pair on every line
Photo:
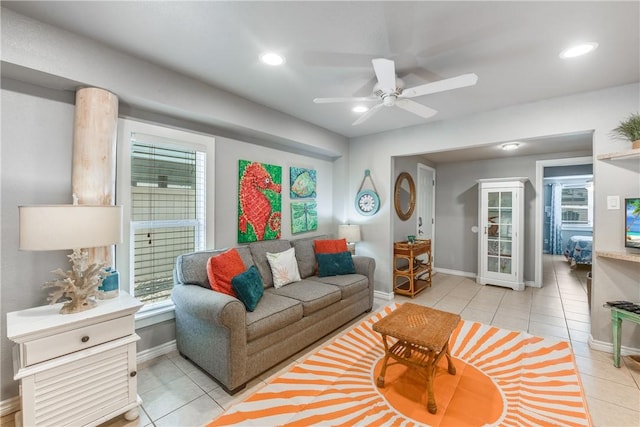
222, 268
330, 246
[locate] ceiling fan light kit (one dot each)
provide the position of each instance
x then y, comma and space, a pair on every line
391, 92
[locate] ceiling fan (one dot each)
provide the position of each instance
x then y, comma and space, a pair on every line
391, 91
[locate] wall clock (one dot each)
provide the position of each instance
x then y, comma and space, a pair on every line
367, 201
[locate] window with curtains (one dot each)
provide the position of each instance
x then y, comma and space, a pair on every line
167, 212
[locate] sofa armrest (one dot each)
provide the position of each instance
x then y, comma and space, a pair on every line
211, 331
366, 266
209, 305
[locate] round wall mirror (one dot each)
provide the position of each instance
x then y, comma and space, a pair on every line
405, 196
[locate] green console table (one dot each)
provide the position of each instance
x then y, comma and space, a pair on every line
617, 316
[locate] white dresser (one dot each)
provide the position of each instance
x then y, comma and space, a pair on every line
76, 369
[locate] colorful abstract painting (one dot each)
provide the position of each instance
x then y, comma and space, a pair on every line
302, 183
259, 201
304, 217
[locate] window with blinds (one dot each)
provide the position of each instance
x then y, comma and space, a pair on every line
576, 206
167, 212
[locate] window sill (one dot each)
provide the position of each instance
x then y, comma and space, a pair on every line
577, 228
150, 316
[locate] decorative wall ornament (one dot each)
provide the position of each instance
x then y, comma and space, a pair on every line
304, 217
259, 201
367, 201
302, 183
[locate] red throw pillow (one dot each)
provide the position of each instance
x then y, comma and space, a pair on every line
330, 246
222, 268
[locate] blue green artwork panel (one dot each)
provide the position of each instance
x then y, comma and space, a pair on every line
302, 183
304, 217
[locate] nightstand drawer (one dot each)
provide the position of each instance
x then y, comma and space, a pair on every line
37, 351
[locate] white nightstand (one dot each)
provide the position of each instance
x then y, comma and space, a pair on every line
76, 369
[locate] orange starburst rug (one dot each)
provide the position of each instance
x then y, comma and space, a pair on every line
503, 378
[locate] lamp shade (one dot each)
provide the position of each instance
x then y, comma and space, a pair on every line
57, 227
349, 232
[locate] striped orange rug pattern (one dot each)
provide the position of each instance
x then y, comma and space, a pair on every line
503, 378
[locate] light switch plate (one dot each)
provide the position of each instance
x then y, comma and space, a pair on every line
613, 202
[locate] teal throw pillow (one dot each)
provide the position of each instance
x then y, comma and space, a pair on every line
248, 287
335, 264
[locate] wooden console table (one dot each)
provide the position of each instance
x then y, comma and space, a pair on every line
410, 274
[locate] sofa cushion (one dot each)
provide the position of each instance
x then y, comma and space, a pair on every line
248, 287
273, 313
306, 257
221, 268
349, 284
284, 267
259, 253
191, 268
335, 264
312, 294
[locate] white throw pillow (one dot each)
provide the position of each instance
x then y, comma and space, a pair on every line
284, 267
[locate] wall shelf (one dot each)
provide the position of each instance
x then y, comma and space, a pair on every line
621, 155
624, 256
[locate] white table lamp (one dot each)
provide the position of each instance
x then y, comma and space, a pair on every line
58, 227
351, 233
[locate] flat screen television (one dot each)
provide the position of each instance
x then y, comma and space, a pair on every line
632, 223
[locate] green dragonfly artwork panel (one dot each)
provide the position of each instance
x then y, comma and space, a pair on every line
304, 217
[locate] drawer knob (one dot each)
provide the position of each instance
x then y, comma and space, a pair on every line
133, 374
85, 338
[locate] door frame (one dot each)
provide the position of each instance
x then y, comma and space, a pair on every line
539, 228
420, 170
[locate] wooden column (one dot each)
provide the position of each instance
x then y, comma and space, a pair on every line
94, 154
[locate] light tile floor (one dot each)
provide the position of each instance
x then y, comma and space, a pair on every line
177, 393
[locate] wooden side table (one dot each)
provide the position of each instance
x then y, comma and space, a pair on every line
415, 276
76, 369
617, 316
422, 335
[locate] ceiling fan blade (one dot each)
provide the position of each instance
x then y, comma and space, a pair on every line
440, 86
415, 108
367, 114
385, 73
356, 99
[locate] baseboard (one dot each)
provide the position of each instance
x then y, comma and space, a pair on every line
9, 406
13, 404
157, 351
455, 272
607, 347
387, 296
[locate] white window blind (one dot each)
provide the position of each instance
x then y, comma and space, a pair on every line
167, 212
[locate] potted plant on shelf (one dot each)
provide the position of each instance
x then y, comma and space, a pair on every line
630, 129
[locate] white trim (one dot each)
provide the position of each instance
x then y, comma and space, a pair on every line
455, 272
157, 351
539, 225
607, 347
155, 314
9, 406
387, 296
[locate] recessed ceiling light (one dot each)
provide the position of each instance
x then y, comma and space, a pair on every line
272, 58
578, 50
359, 109
510, 146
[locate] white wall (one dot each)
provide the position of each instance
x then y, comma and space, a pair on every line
599, 111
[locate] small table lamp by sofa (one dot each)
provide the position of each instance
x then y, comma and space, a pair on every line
57, 227
351, 233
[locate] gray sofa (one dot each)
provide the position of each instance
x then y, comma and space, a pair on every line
233, 345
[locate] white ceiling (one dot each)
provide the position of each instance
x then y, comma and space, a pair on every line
513, 47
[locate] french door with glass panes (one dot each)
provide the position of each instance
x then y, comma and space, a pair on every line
501, 232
